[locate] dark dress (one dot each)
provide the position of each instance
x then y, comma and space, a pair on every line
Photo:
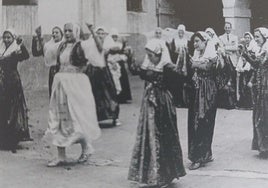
260, 103
245, 99
179, 84
227, 94
13, 111
104, 92
157, 156
202, 113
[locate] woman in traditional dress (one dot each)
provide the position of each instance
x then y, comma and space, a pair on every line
202, 108
245, 71
178, 50
260, 92
13, 110
116, 55
48, 50
157, 156
103, 86
72, 110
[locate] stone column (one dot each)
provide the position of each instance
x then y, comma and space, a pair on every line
86, 13
239, 14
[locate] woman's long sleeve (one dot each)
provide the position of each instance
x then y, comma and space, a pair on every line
23, 55
204, 65
37, 46
13, 59
253, 62
147, 75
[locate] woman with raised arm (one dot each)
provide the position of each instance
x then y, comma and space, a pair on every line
157, 156
48, 50
13, 109
72, 110
103, 86
202, 108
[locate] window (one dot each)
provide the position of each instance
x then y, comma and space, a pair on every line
20, 2
134, 5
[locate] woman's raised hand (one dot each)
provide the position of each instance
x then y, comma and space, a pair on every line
19, 40
89, 26
38, 31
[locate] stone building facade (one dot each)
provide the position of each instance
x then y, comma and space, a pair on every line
133, 16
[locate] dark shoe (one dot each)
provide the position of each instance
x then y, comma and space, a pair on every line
83, 158
263, 154
194, 166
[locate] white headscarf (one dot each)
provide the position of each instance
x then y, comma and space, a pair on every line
114, 32
102, 28
12, 48
181, 42
109, 41
76, 30
264, 33
210, 51
181, 27
156, 46
253, 46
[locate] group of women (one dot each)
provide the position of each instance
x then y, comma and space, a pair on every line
85, 85
200, 75
88, 78
87, 81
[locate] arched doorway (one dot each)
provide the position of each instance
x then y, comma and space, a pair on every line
259, 13
198, 15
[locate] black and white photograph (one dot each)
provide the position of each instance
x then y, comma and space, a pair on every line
133, 93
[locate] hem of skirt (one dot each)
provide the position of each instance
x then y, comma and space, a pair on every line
133, 179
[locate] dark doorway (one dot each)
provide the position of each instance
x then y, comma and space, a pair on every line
197, 15
259, 13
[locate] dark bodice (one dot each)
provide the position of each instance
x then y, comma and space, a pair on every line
9, 63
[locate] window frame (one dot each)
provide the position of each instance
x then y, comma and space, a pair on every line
135, 6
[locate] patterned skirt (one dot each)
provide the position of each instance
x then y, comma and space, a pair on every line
157, 156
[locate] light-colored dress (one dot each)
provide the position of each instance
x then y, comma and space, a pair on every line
72, 110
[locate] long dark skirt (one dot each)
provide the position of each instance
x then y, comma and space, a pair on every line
13, 111
245, 100
260, 111
178, 88
200, 137
201, 121
227, 94
125, 94
157, 156
104, 92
